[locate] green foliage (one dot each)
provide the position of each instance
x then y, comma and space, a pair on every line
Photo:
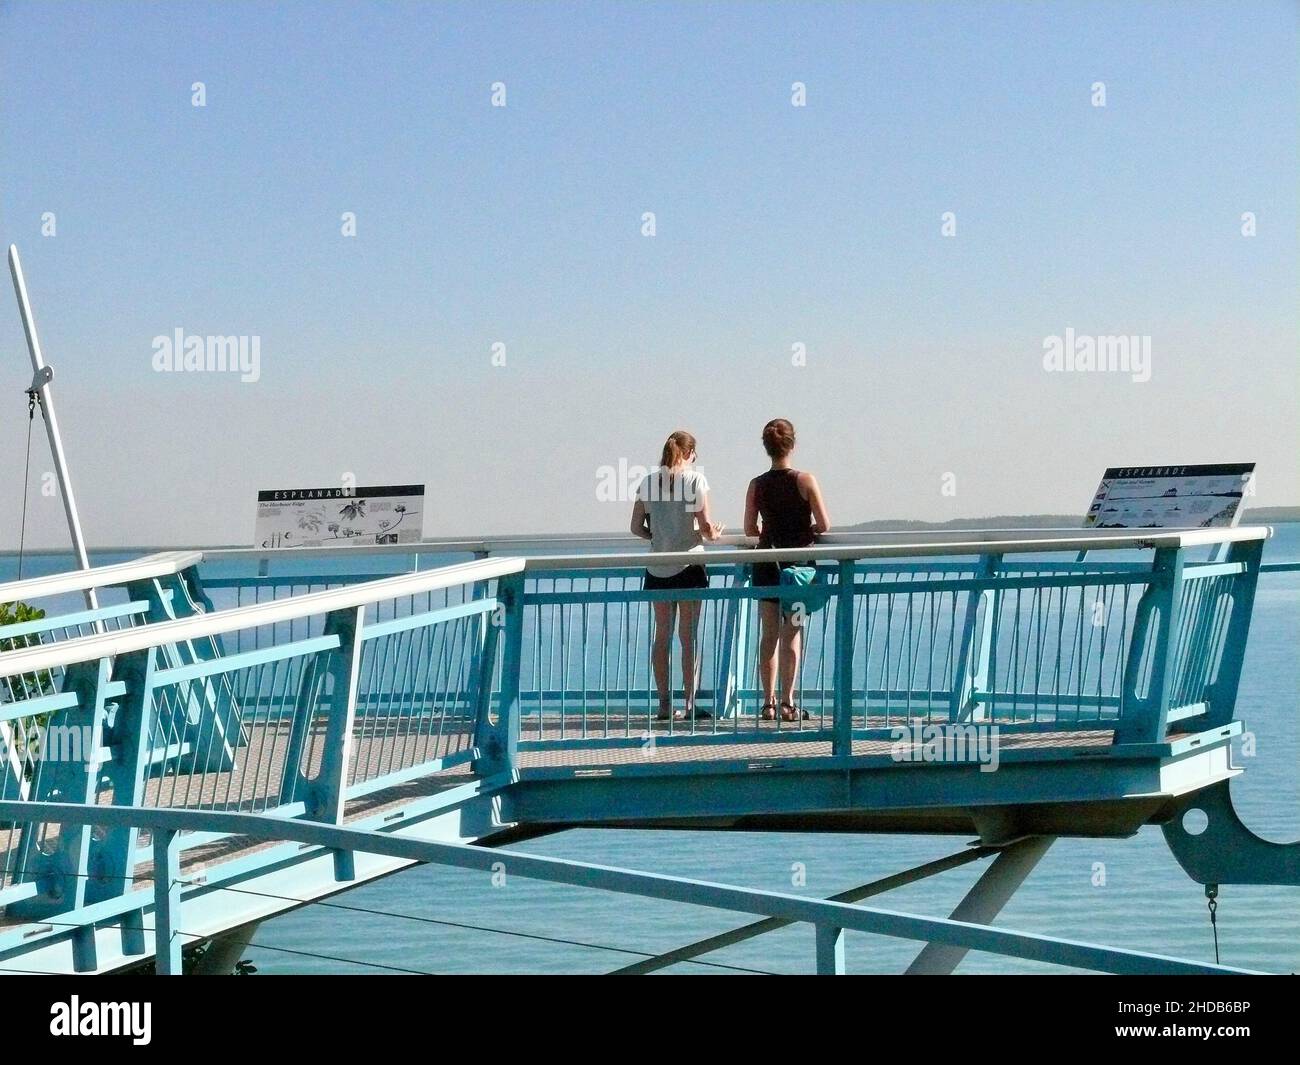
28, 685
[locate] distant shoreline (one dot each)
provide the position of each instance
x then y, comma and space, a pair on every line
1258, 516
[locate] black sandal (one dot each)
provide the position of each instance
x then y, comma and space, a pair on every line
796, 713
768, 713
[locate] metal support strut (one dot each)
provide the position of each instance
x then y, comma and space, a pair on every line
42, 376
984, 902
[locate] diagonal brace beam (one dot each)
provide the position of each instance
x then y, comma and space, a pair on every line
984, 902
771, 924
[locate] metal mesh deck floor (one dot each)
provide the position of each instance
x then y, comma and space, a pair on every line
748, 746
254, 784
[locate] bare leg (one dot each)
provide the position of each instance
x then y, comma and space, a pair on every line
770, 619
661, 654
688, 616
791, 648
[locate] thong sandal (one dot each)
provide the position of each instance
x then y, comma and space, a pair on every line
790, 712
670, 715
768, 713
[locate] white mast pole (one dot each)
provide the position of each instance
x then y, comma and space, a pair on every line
42, 376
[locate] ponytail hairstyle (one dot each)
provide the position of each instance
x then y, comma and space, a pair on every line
677, 449
778, 438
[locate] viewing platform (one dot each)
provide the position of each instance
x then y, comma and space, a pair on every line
222, 735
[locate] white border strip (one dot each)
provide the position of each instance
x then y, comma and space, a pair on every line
159, 565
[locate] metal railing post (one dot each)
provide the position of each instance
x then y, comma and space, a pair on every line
326, 794
166, 902
1222, 692
830, 950
842, 667
1169, 564
1144, 720
498, 741
112, 859
483, 675
479, 653
971, 675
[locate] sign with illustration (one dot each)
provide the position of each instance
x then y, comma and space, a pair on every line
1170, 497
339, 517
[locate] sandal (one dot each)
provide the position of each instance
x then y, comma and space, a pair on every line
790, 712
768, 713
669, 714
700, 715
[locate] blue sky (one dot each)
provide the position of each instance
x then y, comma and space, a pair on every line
775, 225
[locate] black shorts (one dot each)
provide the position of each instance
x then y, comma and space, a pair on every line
768, 575
690, 577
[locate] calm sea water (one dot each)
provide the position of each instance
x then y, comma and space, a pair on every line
1146, 902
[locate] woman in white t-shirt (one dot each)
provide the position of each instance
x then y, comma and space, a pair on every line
672, 512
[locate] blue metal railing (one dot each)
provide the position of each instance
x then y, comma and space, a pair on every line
228, 694
1044, 646
364, 689
37, 740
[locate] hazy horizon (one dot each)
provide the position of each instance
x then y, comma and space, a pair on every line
803, 260
1068, 521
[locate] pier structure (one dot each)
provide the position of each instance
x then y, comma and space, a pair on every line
195, 741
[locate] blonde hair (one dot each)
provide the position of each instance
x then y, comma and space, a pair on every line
679, 447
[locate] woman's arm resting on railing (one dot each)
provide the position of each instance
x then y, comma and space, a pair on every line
751, 511
812, 492
704, 520
640, 520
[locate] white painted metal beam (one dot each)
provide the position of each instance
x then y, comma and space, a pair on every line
112, 644
41, 381
162, 564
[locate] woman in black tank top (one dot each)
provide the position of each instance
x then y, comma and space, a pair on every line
784, 508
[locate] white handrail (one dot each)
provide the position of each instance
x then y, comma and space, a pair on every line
112, 644
580, 543
87, 648
139, 569
1079, 542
